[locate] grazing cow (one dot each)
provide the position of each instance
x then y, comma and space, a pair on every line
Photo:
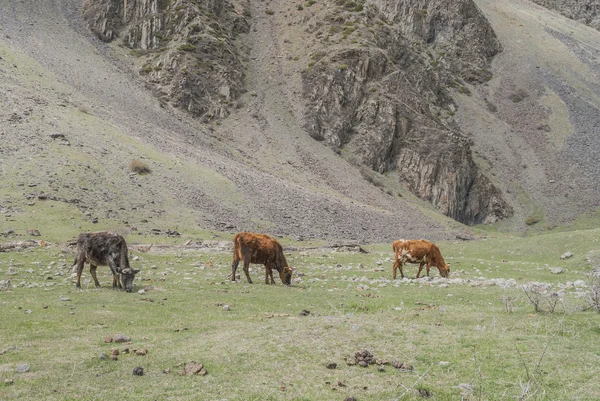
262, 249
419, 251
101, 249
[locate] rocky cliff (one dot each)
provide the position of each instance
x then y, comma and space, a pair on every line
379, 86
586, 11
385, 95
186, 49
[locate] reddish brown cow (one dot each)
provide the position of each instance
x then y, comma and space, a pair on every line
419, 251
262, 249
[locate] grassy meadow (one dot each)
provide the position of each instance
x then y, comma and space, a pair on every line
461, 339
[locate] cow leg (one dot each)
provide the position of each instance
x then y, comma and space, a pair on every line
269, 273
115, 273
94, 276
394, 267
246, 270
117, 281
428, 268
420, 268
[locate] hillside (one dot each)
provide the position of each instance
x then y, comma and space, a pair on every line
297, 118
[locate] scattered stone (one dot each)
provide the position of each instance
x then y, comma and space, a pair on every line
62, 298
557, 270
397, 364
364, 358
305, 313
34, 232
115, 352
194, 368
121, 338
108, 339
56, 135
9, 382
141, 292
226, 307
22, 368
348, 398
114, 357
566, 255
103, 356
141, 351
138, 371
331, 365
381, 368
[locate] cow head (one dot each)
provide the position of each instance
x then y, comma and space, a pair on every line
127, 276
445, 271
286, 275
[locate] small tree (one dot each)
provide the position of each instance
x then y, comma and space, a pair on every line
139, 167
593, 295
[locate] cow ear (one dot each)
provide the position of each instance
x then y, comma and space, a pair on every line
136, 271
126, 271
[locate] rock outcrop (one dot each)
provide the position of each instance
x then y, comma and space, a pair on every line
585, 11
386, 97
187, 49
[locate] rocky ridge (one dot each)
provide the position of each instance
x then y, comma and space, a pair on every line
187, 50
585, 11
385, 96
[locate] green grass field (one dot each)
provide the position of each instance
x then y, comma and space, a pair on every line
465, 338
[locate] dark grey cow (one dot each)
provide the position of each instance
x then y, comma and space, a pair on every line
101, 249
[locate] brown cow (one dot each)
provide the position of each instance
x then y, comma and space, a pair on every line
262, 249
419, 251
105, 248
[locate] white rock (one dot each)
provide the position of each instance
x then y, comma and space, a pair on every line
566, 255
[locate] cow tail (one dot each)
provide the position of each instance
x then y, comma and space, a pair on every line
237, 248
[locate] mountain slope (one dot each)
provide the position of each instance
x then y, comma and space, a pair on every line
536, 123
514, 130
255, 171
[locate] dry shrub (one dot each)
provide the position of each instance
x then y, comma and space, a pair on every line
139, 167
